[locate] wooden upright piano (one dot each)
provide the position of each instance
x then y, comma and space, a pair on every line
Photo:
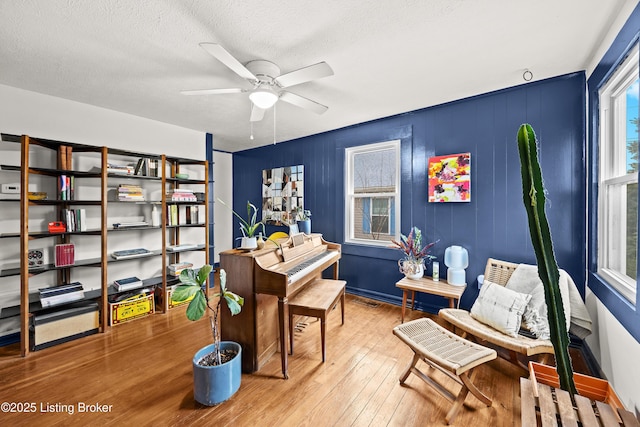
266, 279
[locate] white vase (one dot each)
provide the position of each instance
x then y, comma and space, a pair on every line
412, 269
249, 243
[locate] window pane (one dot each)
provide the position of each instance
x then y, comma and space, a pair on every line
632, 230
632, 127
374, 171
380, 206
380, 224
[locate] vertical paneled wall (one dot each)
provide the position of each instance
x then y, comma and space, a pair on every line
493, 224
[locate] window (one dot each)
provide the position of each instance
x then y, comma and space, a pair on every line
373, 193
618, 178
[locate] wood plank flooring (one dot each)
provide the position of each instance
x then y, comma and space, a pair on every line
141, 374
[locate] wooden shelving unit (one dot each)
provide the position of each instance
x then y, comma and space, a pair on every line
99, 201
173, 234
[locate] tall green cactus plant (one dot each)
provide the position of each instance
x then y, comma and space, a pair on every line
534, 202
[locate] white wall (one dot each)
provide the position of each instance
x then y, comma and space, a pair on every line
34, 114
223, 190
38, 115
616, 351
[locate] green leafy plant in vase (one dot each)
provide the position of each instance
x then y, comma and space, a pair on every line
412, 265
217, 367
193, 286
249, 226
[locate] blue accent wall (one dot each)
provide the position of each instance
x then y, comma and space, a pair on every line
493, 224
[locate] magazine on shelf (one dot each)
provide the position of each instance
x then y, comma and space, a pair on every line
181, 247
130, 253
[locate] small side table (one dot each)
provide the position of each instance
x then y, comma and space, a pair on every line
428, 285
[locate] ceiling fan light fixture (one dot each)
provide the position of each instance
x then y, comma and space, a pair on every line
263, 97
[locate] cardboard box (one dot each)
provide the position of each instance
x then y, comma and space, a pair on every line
124, 311
172, 304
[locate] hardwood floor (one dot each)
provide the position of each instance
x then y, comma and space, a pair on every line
141, 374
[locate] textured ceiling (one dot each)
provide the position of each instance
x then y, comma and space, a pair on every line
388, 56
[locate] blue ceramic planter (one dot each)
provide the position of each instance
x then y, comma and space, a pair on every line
305, 226
215, 384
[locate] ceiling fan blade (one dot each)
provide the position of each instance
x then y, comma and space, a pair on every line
302, 102
312, 72
211, 91
256, 114
222, 55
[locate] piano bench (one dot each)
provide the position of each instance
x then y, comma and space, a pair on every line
316, 300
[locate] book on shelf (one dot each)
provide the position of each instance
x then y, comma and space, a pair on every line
130, 193
181, 247
65, 187
130, 253
64, 255
75, 219
181, 195
61, 294
147, 167
176, 268
130, 224
172, 215
65, 155
127, 283
120, 169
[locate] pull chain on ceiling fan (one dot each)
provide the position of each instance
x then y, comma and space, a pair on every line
267, 82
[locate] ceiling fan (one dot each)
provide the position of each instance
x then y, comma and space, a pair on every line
267, 82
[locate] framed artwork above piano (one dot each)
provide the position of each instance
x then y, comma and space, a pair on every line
282, 194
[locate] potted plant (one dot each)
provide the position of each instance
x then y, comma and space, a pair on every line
303, 218
249, 227
412, 265
217, 367
534, 200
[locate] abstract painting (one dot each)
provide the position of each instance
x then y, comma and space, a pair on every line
450, 178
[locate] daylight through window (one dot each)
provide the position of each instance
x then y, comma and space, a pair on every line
373, 193
618, 178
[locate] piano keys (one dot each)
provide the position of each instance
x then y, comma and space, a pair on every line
266, 279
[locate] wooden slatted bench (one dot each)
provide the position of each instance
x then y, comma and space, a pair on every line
316, 300
553, 407
447, 352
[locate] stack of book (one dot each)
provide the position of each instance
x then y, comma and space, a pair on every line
61, 294
176, 269
120, 169
130, 193
127, 284
181, 195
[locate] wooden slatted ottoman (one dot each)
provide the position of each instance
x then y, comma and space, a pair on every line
447, 352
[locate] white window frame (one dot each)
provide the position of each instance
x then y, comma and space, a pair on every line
613, 178
349, 231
